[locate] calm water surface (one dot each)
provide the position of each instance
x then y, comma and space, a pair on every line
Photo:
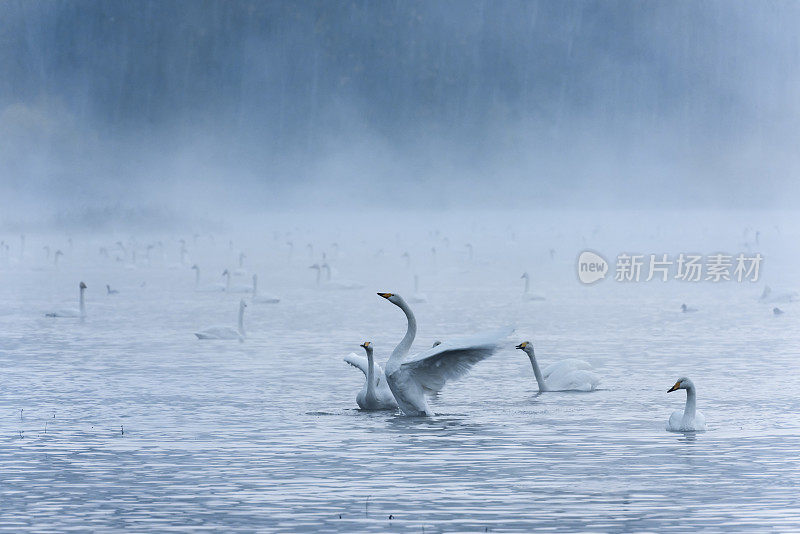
126, 420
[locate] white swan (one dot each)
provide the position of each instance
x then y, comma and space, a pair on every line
375, 395
237, 288
783, 296
262, 299
687, 309
526, 295
338, 284
566, 375
777, 311
226, 332
417, 297
241, 271
207, 289
72, 312
412, 378
690, 419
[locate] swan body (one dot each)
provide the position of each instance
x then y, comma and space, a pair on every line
338, 284
417, 297
213, 288
226, 332
412, 378
234, 289
375, 395
262, 299
690, 419
687, 309
567, 375
526, 295
777, 311
72, 312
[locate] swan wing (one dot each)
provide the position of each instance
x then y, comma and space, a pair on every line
359, 362
570, 364
452, 359
574, 380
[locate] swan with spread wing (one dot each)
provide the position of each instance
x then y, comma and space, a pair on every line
412, 378
375, 395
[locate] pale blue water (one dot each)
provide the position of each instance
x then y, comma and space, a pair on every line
265, 435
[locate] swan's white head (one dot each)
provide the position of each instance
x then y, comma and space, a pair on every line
82, 286
195, 267
225, 272
682, 383
524, 275
242, 304
527, 346
367, 346
394, 298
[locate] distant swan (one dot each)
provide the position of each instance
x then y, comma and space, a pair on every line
412, 378
687, 309
525, 294
566, 375
241, 271
690, 419
207, 289
262, 299
417, 297
777, 311
375, 395
786, 296
237, 288
226, 332
110, 291
72, 312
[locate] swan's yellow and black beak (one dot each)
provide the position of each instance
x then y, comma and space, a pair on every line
386, 295
522, 345
365, 344
675, 387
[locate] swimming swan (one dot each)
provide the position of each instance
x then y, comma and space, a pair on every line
782, 296
690, 419
72, 312
566, 375
375, 395
525, 294
208, 289
687, 309
412, 378
262, 299
225, 332
234, 289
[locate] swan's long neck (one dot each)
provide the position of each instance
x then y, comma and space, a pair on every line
227, 281
536, 371
319, 275
404, 346
370, 373
241, 321
196, 277
527, 284
82, 304
255, 285
691, 403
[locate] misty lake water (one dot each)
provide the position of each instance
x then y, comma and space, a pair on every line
266, 435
